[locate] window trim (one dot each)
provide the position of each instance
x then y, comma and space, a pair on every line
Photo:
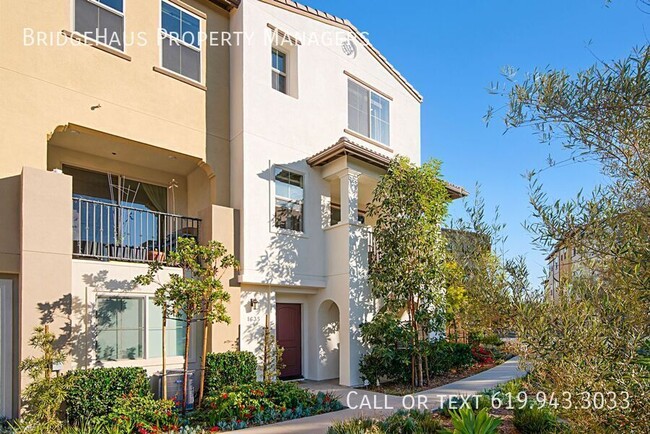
92, 41
145, 360
273, 195
161, 68
281, 73
371, 90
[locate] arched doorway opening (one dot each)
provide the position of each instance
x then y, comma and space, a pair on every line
329, 345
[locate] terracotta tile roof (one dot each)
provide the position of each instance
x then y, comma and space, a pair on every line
346, 147
318, 14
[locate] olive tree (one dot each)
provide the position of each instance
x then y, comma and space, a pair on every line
591, 338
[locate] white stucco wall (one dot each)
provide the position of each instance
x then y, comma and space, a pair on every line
320, 267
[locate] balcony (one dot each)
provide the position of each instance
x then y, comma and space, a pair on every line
107, 231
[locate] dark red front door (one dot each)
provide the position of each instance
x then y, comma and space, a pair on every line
289, 337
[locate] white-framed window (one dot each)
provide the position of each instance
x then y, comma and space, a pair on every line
289, 200
130, 328
368, 113
101, 20
279, 70
181, 42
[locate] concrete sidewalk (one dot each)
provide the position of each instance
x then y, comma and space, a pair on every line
365, 403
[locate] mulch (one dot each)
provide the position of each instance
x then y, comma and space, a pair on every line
399, 389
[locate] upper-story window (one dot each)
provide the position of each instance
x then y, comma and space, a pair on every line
289, 199
181, 44
279, 68
101, 20
368, 113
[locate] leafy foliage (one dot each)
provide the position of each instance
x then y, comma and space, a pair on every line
533, 419
232, 368
197, 294
586, 337
445, 356
410, 204
93, 393
467, 422
400, 422
44, 396
144, 414
262, 403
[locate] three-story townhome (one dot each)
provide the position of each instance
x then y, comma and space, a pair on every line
129, 124
316, 115
113, 147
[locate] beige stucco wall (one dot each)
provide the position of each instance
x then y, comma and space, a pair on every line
46, 256
44, 87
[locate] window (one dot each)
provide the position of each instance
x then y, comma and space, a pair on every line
120, 328
174, 333
368, 113
101, 20
289, 196
181, 45
279, 68
122, 334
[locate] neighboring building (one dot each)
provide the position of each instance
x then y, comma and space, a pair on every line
112, 151
564, 262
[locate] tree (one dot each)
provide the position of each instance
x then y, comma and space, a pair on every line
45, 395
592, 337
196, 295
491, 281
410, 204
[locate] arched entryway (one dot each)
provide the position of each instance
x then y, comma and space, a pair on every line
329, 345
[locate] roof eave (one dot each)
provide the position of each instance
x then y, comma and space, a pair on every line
227, 4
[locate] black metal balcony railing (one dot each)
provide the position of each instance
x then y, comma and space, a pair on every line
103, 230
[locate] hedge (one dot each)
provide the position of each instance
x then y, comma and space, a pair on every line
232, 368
94, 392
445, 356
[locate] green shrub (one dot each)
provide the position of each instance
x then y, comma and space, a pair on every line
144, 413
467, 422
534, 420
411, 422
356, 426
232, 368
400, 422
238, 407
445, 356
390, 355
475, 402
94, 392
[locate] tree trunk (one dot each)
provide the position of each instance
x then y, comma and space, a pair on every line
164, 353
204, 353
186, 363
426, 368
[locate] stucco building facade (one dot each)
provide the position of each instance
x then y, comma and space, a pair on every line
114, 149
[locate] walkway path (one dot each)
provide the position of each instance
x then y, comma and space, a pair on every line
365, 403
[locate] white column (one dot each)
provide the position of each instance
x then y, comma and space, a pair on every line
349, 196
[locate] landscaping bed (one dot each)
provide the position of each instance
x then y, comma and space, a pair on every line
401, 389
478, 414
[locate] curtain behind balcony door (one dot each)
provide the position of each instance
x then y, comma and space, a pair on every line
157, 196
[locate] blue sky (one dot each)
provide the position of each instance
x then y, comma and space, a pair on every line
451, 51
